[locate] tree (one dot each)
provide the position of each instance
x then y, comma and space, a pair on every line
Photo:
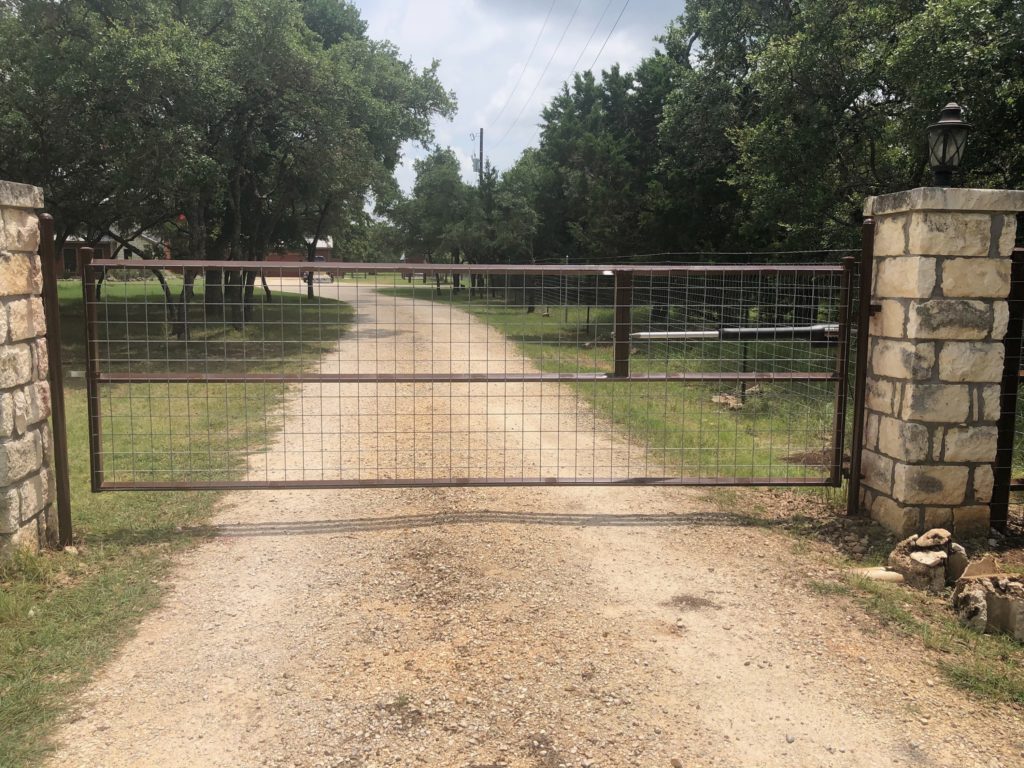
516, 220
435, 218
262, 121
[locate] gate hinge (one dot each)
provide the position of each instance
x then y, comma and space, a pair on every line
874, 309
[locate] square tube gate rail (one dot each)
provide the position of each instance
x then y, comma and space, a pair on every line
219, 375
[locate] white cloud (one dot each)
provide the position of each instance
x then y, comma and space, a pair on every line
483, 46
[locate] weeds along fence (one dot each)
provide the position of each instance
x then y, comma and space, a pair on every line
481, 375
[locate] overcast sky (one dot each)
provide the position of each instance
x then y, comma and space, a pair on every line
484, 45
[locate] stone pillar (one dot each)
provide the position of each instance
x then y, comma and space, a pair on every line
935, 356
27, 517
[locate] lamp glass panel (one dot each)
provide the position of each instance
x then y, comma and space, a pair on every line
935, 147
955, 149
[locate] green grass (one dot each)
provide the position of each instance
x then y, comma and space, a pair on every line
783, 430
62, 615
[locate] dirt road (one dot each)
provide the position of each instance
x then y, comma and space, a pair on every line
521, 627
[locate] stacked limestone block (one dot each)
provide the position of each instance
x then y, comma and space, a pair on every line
27, 517
935, 356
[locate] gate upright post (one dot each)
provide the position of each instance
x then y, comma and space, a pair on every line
92, 356
842, 372
623, 310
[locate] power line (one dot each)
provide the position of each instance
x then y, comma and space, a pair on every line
527, 64
541, 79
610, 33
591, 38
600, 51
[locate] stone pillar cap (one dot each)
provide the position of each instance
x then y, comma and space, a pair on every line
946, 199
14, 195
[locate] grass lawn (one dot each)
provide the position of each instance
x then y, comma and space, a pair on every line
62, 615
777, 430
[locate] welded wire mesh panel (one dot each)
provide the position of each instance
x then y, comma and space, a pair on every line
207, 374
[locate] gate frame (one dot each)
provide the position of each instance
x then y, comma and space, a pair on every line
623, 303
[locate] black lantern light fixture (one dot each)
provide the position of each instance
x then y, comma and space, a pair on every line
946, 142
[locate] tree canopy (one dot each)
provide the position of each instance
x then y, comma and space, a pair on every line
243, 123
240, 123
762, 126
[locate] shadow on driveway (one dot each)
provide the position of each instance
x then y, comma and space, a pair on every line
405, 522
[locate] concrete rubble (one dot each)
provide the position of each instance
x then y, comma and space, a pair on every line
930, 560
989, 601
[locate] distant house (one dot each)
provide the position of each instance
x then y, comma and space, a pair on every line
324, 249
109, 248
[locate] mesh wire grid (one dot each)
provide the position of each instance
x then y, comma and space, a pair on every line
212, 374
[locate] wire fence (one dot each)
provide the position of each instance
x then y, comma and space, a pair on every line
220, 375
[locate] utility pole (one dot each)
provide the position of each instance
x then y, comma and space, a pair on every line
481, 167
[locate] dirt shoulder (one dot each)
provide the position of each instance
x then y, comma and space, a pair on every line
521, 627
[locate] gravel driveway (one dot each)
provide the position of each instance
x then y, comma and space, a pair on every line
473, 628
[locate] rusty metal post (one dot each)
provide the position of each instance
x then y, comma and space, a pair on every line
92, 367
867, 257
623, 322
55, 363
1003, 470
842, 372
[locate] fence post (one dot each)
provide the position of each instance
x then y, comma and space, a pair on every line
55, 357
935, 356
1011, 385
865, 280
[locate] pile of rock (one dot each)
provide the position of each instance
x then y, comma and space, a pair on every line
988, 601
984, 599
930, 560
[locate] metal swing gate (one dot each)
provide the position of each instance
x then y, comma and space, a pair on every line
219, 375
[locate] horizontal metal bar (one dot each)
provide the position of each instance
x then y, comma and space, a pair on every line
232, 485
660, 270
770, 333
199, 377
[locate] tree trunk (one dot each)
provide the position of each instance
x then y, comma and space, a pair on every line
247, 295
188, 287
806, 309
311, 246
233, 296
177, 313
213, 291
197, 233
